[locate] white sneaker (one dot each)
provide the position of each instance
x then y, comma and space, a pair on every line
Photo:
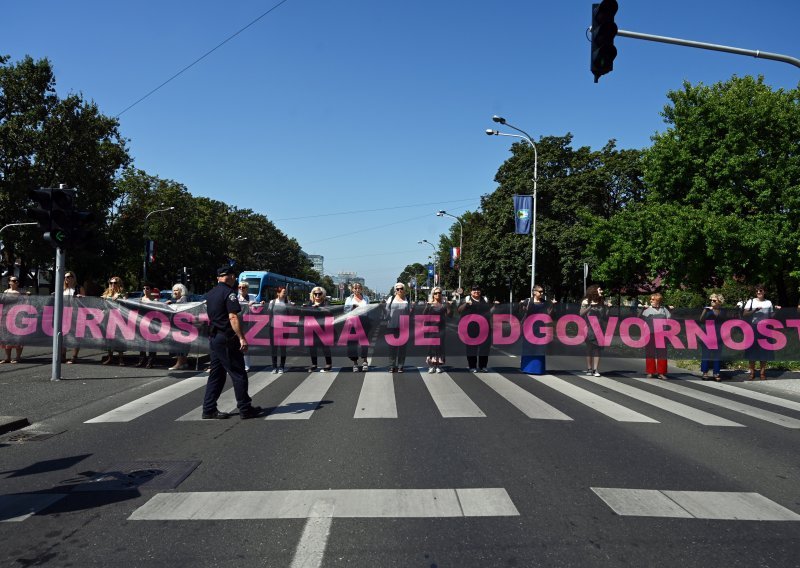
247, 368
597, 373
355, 368
484, 370
280, 371
274, 371
439, 370
365, 367
431, 370
473, 370
589, 372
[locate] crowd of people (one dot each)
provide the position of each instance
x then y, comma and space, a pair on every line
594, 309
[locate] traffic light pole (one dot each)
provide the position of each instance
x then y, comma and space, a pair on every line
712, 46
58, 312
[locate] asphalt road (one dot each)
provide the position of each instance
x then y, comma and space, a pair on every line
472, 471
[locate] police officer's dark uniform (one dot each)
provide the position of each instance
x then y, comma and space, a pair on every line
227, 344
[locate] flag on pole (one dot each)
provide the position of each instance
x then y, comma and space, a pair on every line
455, 254
522, 214
151, 251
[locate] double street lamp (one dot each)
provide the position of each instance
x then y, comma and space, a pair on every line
147, 240
442, 213
526, 138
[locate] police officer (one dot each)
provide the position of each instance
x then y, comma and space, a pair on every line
228, 345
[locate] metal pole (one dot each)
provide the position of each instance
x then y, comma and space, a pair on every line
58, 312
712, 46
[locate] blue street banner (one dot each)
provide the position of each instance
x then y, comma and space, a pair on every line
430, 270
522, 214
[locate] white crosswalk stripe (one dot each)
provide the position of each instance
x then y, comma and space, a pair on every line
378, 398
227, 401
746, 409
693, 414
304, 400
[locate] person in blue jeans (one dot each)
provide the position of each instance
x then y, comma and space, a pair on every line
711, 357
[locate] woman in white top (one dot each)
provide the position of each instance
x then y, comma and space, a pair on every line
358, 302
70, 292
397, 306
13, 288
114, 292
278, 306
757, 309
180, 295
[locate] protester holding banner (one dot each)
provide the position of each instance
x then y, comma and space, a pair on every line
13, 289
113, 293
319, 303
180, 295
440, 308
279, 306
146, 359
758, 309
533, 359
244, 298
357, 302
711, 356
655, 357
397, 307
476, 304
594, 308
71, 292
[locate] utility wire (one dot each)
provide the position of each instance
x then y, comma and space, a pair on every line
349, 212
199, 59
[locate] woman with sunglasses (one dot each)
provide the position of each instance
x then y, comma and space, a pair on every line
441, 309
278, 306
13, 289
758, 309
319, 305
396, 307
180, 295
711, 357
477, 304
113, 293
71, 292
356, 305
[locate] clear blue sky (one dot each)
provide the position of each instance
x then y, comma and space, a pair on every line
331, 108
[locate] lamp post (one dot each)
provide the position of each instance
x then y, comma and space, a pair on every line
147, 240
442, 213
527, 139
426, 241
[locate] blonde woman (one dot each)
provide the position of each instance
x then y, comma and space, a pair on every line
13, 289
354, 301
710, 357
442, 309
114, 292
655, 357
71, 291
180, 295
396, 307
318, 302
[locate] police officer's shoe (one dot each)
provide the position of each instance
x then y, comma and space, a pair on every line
216, 415
250, 412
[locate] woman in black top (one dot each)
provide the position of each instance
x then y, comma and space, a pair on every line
477, 355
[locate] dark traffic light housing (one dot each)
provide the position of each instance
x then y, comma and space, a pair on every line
604, 30
61, 224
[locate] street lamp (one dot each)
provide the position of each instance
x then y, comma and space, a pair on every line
435, 271
147, 240
527, 139
442, 213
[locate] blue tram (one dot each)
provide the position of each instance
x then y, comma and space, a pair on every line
263, 286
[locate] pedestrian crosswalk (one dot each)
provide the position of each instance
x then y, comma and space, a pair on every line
537, 397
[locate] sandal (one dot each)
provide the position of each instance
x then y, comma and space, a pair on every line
663, 377
717, 378
5, 361
763, 374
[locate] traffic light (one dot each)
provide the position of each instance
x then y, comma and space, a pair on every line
604, 30
41, 212
62, 217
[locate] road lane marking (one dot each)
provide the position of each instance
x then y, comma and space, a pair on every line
746, 409
531, 406
771, 399
717, 505
377, 398
451, 401
347, 503
16, 508
311, 549
602, 405
305, 399
142, 406
682, 410
227, 402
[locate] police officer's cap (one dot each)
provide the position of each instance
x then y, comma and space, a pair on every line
225, 270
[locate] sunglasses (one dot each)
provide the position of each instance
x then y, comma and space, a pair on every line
113, 281
435, 293
13, 280
399, 289
318, 293
243, 288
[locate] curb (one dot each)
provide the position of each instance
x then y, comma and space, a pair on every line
11, 423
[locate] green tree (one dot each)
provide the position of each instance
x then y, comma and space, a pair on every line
729, 166
46, 140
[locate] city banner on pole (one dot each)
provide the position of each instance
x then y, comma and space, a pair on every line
522, 214
455, 252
